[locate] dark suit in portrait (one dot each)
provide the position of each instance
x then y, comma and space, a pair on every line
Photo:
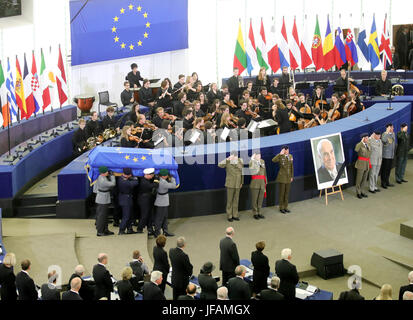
324, 176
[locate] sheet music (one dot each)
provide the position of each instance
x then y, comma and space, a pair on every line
252, 126
225, 133
195, 136
158, 141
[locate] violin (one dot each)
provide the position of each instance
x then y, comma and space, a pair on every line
135, 138
231, 104
208, 117
268, 96
254, 113
168, 116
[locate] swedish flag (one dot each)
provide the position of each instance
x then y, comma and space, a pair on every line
374, 54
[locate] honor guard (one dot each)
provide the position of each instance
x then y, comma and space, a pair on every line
285, 176
126, 184
363, 164
146, 198
258, 184
162, 202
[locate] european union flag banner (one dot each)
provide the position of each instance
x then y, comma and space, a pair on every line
137, 159
107, 30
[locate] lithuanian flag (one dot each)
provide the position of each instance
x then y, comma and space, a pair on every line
240, 58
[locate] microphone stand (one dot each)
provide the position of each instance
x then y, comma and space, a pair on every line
390, 100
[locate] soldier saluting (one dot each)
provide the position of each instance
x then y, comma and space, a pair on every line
285, 177
363, 164
258, 184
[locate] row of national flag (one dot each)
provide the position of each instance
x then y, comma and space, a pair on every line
31, 91
281, 51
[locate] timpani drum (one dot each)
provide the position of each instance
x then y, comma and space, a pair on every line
84, 102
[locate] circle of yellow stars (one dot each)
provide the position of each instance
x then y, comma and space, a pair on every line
131, 8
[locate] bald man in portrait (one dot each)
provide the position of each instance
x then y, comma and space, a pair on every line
329, 167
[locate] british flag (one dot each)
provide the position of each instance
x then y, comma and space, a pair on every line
385, 52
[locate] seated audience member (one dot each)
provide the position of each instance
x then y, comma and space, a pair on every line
145, 94
79, 139
383, 85
125, 289
238, 288
87, 288
190, 293
25, 285
385, 293
7, 278
408, 287
151, 290
222, 293
272, 293
102, 277
287, 272
207, 283
352, 294
127, 95
73, 293
48, 290
407, 295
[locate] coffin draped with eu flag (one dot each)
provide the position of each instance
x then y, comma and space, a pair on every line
137, 159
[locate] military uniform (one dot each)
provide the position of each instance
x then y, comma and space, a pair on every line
102, 188
363, 166
285, 174
233, 183
403, 147
162, 204
257, 185
146, 202
125, 198
389, 148
375, 159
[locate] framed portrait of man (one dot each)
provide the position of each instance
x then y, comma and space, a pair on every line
329, 162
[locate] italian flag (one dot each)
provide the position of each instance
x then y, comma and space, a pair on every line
4, 107
240, 58
44, 83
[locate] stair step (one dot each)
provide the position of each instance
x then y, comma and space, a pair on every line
36, 199
36, 211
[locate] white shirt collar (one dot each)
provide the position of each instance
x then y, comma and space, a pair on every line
25, 272
102, 265
74, 291
333, 173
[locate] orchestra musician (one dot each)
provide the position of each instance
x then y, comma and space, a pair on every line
319, 99
79, 139
211, 136
127, 95
188, 119
227, 101
275, 88
164, 97
145, 94
214, 109
264, 99
234, 84
193, 90
354, 104
109, 121
194, 77
213, 93
284, 83
240, 132
383, 86
197, 109
134, 77
179, 105
241, 113
292, 95
227, 121
342, 81
127, 139
145, 134
250, 90
180, 83
263, 80
197, 129
203, 101
189, 86
335, 108
293, 113
93, 127
158, 118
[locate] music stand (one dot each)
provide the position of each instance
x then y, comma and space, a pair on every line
368, 83
302, 86
339, 89
323, 84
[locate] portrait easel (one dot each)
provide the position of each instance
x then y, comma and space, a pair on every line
333, 191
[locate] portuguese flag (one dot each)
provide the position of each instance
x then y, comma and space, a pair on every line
317, 48
240, 58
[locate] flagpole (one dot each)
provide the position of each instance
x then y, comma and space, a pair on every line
9, 122
34, 100
18, 109
51, 96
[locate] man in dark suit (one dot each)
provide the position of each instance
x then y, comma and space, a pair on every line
134, 77
87, 287
352, 294
190, 293
229, 258
181, 268
48, 290
234, 84
238, 288
409, 287
102, 277
126, 184
151, 290
73, 293
287, 272
207, 283
329, 168
272, 293
25, 285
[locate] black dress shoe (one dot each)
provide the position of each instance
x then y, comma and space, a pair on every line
364, 195
399, 182
377, 190
236, 219
230, 219
283, 211
141, 231
261, 216
121, 232
109, 233
135, 223
130, 232
256, 217
286, 210
383, 186
359, 196
101, 234
168, 234
390, 185
372, 191
116, 223
404, 180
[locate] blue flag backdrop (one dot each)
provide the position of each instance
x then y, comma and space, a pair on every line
137, 159
109, 30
